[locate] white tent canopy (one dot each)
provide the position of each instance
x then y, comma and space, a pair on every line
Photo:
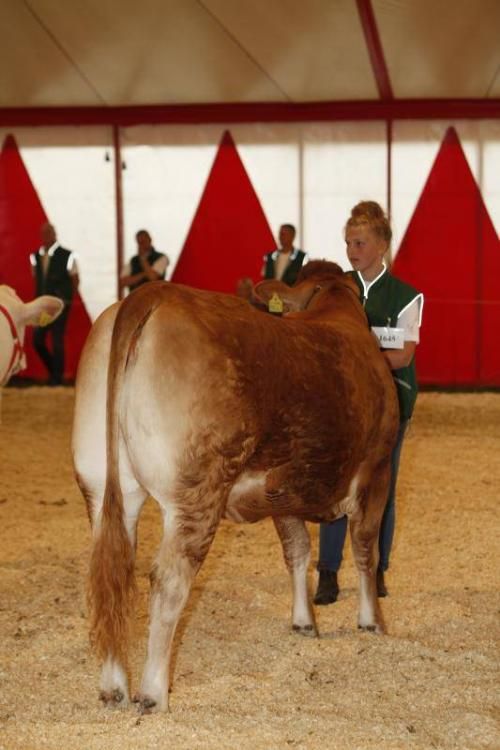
110, 53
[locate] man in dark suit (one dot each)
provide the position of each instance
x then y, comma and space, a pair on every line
55, 272
285, 262
147, 265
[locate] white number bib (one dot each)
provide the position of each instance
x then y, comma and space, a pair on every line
389, 338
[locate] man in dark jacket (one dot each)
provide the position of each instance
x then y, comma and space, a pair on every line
147, 265
285, 262
55, 272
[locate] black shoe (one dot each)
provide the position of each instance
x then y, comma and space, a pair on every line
328, 588
381, 587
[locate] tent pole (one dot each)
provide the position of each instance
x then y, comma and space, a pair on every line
301, 189
375, 49
118, 207
389, 177
480, 270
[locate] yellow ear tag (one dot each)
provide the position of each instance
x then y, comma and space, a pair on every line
44, 319
275, 304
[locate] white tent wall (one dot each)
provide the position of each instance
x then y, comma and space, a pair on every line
414, 149
166, 171
307, 173
180, 158
76, 187
343, 164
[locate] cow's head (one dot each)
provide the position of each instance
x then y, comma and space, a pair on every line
15, 315
315, 278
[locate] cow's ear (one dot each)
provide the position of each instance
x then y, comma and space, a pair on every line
42, 311
294, 299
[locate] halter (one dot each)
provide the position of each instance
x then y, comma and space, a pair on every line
17, 348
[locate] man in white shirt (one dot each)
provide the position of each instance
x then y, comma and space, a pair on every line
147, 265
55, 271
285, 262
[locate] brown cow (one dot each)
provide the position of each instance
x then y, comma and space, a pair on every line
218, 410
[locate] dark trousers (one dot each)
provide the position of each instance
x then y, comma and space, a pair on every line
53, 361
332, 535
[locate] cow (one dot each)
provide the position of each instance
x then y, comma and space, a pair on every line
15, 315
218, 410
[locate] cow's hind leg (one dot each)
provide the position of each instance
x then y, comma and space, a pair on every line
364, 537
296, 545
114, 680
185, 543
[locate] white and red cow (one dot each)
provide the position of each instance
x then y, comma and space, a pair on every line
218, 410
15, 315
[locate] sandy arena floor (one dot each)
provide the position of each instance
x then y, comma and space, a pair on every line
241, 678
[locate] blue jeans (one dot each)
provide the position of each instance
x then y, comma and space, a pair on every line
332, 535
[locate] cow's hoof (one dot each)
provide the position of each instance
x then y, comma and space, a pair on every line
308, 630
145, 705
113, 698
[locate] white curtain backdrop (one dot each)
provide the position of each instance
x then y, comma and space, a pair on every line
415, 147
306, 174
309, 174
343, 164
76, 187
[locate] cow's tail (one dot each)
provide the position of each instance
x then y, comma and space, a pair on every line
111, 579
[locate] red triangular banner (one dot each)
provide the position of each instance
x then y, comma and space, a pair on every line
230, 233
21, 216
451, 252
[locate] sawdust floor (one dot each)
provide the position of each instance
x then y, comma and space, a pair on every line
241, 679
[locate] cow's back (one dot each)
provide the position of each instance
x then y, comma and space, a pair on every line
305, 403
